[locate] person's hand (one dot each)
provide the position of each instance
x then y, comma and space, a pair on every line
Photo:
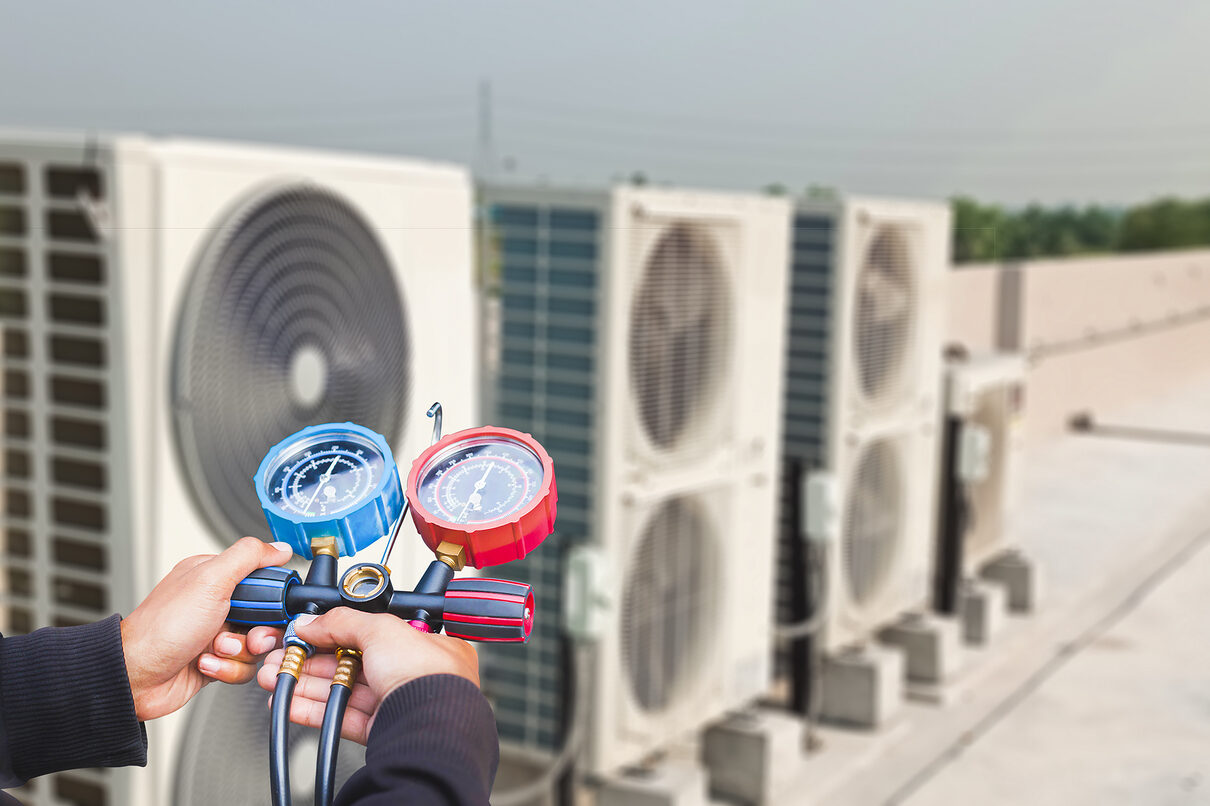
394, 653
176, 641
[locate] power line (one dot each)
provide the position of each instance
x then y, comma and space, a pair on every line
314, 123
321, 107
615, 119
687, 154
791, 144
577, 110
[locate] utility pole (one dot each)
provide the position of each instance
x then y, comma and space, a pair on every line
486, 158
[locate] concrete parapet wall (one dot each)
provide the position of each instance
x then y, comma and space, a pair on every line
1100, 332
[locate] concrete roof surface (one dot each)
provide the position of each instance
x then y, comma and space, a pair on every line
1102, 696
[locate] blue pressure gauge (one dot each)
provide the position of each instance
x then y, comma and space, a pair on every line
334, 480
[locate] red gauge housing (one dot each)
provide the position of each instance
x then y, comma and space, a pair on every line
494, 542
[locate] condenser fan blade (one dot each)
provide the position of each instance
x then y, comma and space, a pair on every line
679, 331
873, 520
668, 602
293, 317
884, 314
886, 296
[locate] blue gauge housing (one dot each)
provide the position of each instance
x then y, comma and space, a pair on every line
333, 480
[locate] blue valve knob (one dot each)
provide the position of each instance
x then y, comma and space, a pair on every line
335, 480
261, 598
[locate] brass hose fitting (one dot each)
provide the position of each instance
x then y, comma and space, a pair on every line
347, 667
451, 554
324, 545
292, 663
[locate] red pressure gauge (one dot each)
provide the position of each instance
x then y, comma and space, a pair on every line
490, 490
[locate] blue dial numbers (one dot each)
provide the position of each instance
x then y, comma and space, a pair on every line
325, 478
480, 480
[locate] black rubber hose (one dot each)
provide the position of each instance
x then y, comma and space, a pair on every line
279, 740
329, 745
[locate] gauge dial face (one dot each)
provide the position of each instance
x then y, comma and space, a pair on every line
480, 480
325, 476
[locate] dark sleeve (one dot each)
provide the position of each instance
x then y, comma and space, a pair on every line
433, 742
66, 702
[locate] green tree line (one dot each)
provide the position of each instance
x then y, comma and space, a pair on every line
990, 232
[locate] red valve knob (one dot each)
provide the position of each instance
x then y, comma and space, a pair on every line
493, 610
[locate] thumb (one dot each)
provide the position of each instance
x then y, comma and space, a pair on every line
343, 627
245, 556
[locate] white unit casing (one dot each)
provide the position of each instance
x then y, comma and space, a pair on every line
662, 313
987, 392
863, 397
686, 658
225, 296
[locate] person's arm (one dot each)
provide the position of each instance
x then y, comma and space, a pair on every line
429, 732
66, 702
433, 742
73, 697
7, 777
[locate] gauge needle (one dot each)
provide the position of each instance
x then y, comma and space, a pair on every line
324, 479
474, 496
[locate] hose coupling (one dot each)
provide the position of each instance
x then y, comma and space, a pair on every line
292, 639
292, 663
347, 667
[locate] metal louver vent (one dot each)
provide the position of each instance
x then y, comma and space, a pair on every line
61, 562
680, 332
548, 257
885, 313
873, 525
668, 602
294, 318
222, 756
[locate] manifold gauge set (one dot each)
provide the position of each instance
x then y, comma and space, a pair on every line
479, 497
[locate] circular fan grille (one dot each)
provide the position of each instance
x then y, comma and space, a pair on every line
886, 303
293, 317
223, 756
669, 597
873, 521
679, 332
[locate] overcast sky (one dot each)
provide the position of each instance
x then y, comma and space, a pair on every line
1012, 101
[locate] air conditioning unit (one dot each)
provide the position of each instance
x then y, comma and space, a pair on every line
986, 395
863, 403
170, 309
641, 340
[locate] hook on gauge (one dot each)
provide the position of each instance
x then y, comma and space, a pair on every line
433, 413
